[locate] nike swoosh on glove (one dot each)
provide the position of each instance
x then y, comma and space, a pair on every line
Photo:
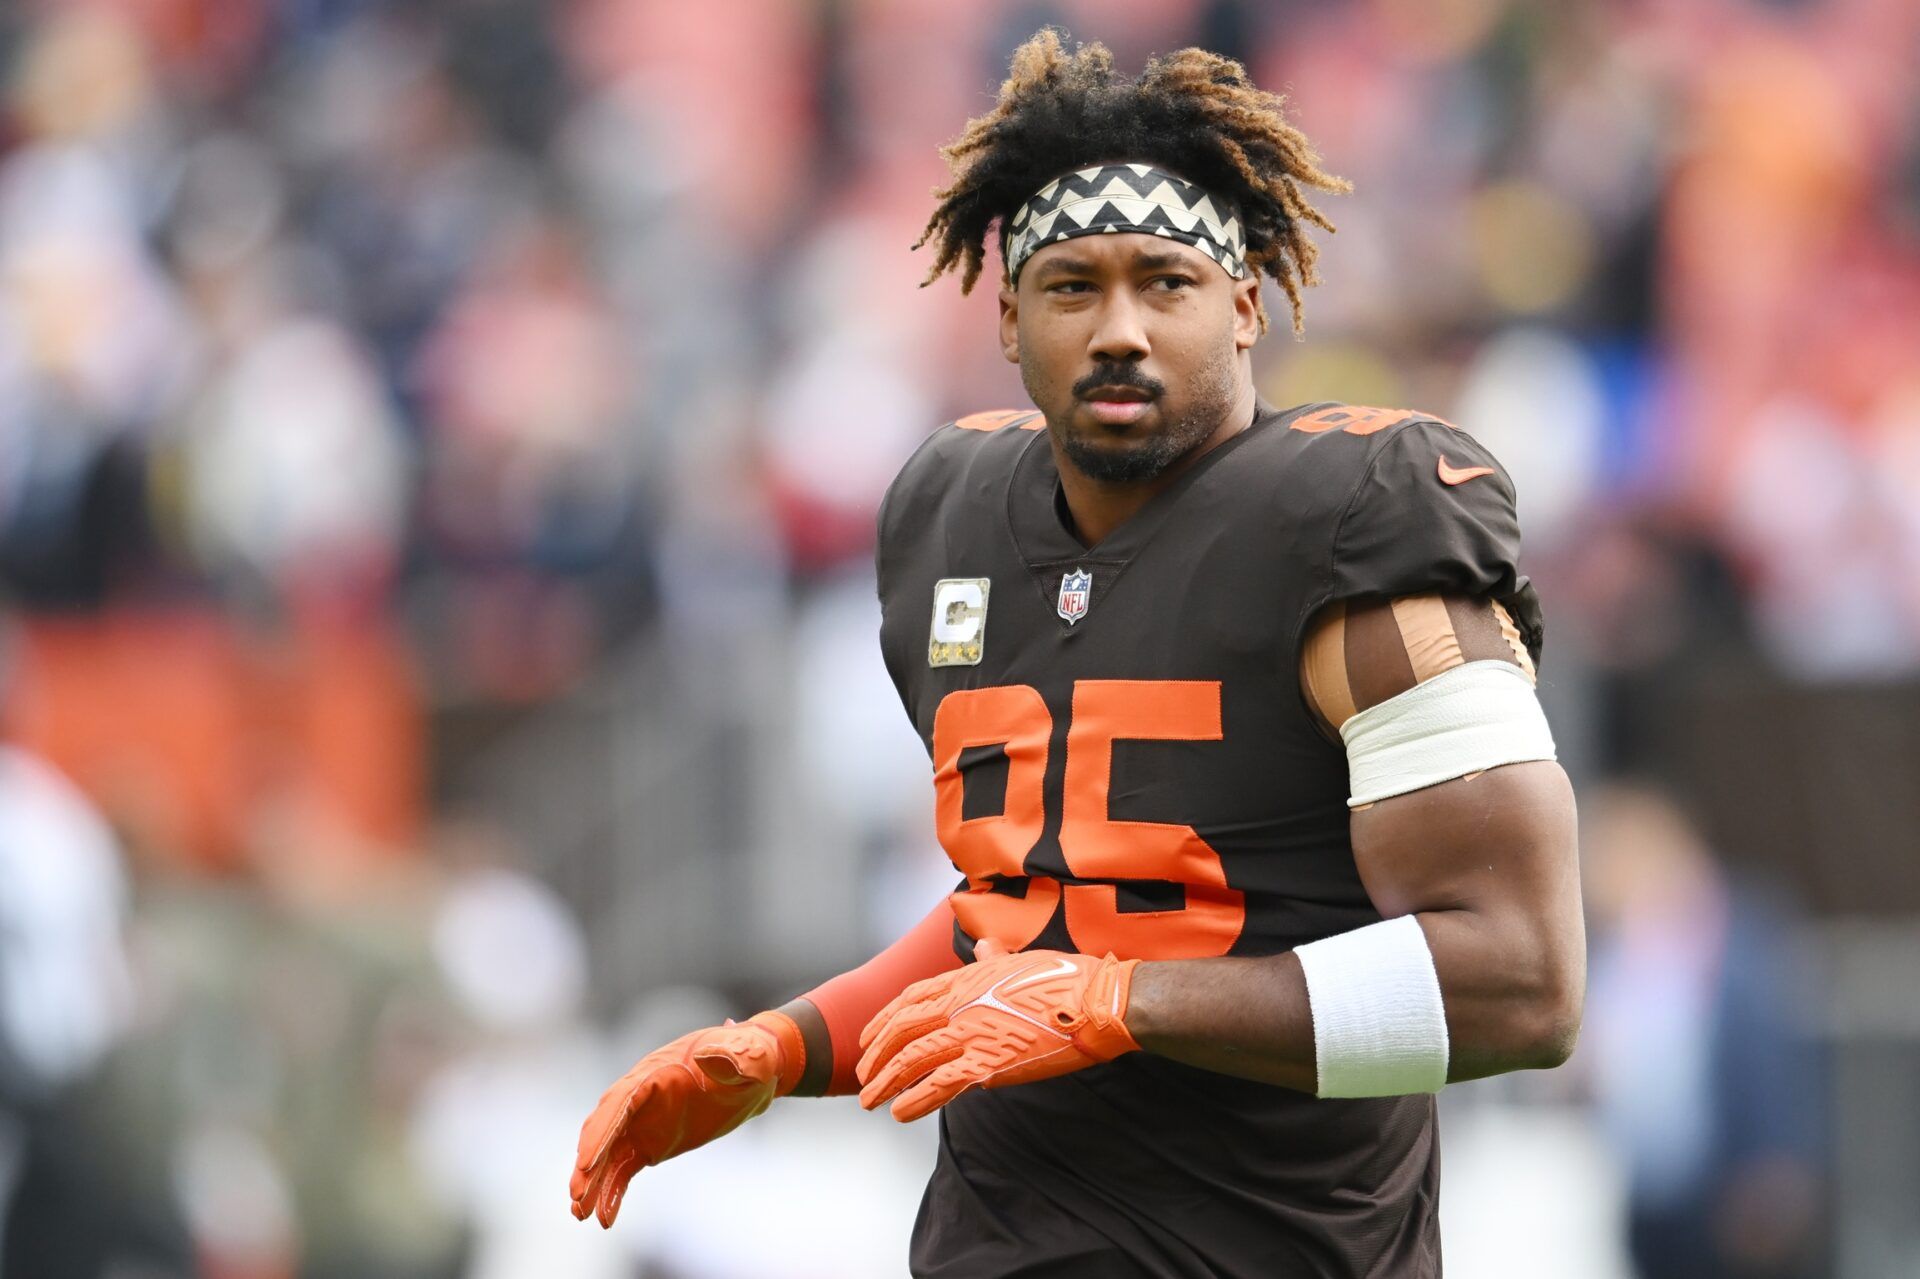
1004, 1019
701, 1086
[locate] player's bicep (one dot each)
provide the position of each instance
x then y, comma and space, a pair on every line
1499, 839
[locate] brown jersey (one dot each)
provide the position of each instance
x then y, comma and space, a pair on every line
1124, 761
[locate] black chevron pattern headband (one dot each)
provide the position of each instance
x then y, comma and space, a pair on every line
1112, 198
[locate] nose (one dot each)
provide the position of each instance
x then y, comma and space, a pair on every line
1119, 333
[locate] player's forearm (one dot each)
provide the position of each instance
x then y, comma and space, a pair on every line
1244, 1017
1512, 1003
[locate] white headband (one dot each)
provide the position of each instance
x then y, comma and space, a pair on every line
1125, 197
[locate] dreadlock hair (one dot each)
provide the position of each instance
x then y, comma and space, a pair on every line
1191, 112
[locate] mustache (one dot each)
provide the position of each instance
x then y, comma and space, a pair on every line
1117, 375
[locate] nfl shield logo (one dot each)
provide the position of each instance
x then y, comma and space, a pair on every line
1075, 588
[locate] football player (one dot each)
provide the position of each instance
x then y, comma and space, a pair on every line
1235, 744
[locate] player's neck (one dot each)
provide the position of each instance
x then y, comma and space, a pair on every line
1098, 507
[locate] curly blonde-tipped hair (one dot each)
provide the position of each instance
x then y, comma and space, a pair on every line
1191, 112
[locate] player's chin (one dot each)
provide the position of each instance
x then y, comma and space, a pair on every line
1103, 455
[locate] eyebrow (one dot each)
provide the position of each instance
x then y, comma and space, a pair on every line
1064, 266
1161, 260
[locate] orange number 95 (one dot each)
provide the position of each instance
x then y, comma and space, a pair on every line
994, 848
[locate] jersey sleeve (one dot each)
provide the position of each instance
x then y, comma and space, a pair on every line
1434, 513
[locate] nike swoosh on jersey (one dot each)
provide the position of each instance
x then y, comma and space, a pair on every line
1450, 474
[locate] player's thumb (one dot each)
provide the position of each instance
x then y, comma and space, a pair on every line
721, 1066
989, 948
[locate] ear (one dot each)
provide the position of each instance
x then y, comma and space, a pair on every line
1246, 311
1010, 325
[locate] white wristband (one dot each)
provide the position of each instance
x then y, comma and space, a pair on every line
1379, 1026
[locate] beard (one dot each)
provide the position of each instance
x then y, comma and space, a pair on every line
1143, 460
1100, 455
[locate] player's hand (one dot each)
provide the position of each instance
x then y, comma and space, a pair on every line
1004, 1019
701, 1086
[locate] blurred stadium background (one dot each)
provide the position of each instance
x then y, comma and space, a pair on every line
439, 444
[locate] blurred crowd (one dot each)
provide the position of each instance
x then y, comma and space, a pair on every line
377, 375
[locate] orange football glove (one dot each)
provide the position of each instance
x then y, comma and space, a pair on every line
1004, 1019
700, 1086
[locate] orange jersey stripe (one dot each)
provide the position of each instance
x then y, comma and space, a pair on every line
994, 420
1360, 419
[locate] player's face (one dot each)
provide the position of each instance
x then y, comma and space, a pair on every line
1131, 344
